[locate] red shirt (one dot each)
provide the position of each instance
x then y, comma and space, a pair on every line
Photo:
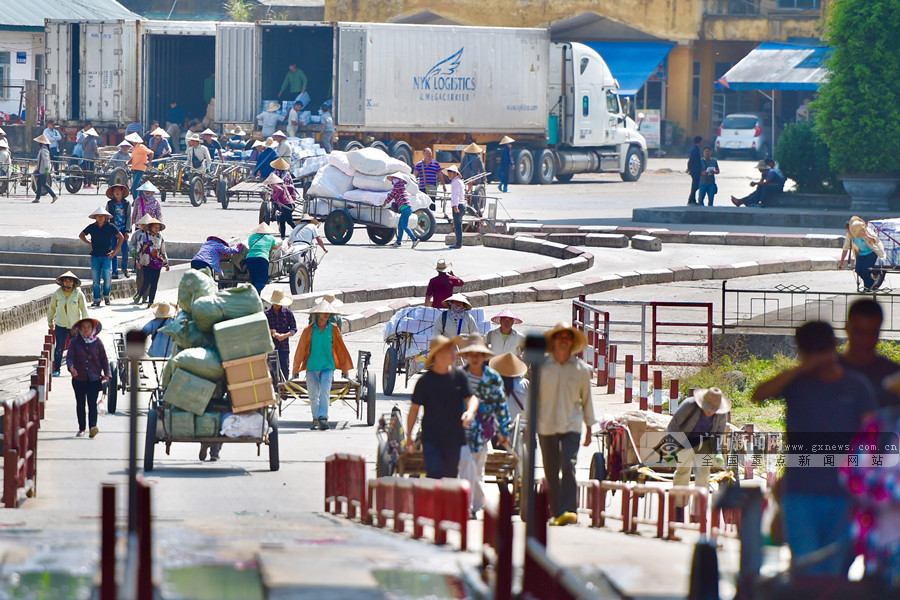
441, 287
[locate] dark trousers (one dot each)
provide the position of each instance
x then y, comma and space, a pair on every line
151, 281
758, 196
457, 224
864, 262
258, 268
123, 254
86, 392
283, 362
43, 187
62, 336
285, 217
88, 165
199, 264
503, 174
440, 461
695, 185
559, 453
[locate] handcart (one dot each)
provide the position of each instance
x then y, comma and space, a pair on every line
357, 391
149, 373
295, 262
888, 231
481, 210
171, 175
400, 357
340, 217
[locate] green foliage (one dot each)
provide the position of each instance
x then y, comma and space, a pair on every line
857, 102
803, 157
238, 10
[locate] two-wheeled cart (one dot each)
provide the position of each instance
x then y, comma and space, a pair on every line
341, 216
294, 263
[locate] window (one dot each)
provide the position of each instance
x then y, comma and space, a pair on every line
800, 4
4, 75
695, 91
612, 103
584, 64
585, 106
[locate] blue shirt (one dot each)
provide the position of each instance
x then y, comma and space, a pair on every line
863, 246
427, 174
263, 166
161, 344
211, 253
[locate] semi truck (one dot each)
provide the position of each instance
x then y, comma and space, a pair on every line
398, 87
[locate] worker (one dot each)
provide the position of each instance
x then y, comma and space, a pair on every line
140, 160
471, 166
211, 142
265, 159
160, 343
159, 143
327, 128
283, 327
293, 120
440, 287
455, 320
5, 157
294, 82
306, 233
506, 162
504, 338
284, 149
120, 158
90, 153
197, 156
174, 124
269, 119
428, 172
54, 137
193, 128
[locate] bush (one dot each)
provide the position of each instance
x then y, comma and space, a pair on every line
856, 102
804, 157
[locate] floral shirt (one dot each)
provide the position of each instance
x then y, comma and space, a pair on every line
493, 415
146, 205
151, 251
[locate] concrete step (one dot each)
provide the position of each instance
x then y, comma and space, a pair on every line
41, 258
25, 277
757, 217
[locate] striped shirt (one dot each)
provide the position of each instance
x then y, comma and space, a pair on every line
397, 197
211, 253
427, 174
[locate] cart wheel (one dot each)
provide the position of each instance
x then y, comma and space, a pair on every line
196, 191
119, 176
273, 445
425, 224
265, 213
370, 399
300, 282
389, 373
222, 192
4, 186
74, 179
150, 439
380, 235
339, 227
598, 466
382, 462
112, 393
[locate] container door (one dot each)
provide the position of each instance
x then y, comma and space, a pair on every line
350, 108
237, 64
109, 72
58, 40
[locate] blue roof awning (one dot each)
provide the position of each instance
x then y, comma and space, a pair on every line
773, 66
632, 63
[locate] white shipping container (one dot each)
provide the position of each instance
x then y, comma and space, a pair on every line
237, 72
109, 71
442, 78
57, 43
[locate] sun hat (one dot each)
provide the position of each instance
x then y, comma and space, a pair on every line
712, 400
280, 164
155, 221
443, 265
159, 131
208, 131
124, 144
506, 313
100, 212
329, 298
263, 228
134, 138
97, 325
109, 190
458, 298
506, 140
145, 220
310, 219
270, 143
472, 148
238, 131
273, 179
163, 310
194, 137
763, 166
476, 344
439, 343
452, 169
92, 132
324, 308
257, 144
273, 107
857, 227
509, 365
579, 341
395, 175
148, 187
42, 139
4, 143
278, 297
215, 238
70, 275
279, 133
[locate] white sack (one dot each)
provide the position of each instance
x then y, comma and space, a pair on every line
375, 183
366, 197
330, 182
249, 424
372, 161
339, 159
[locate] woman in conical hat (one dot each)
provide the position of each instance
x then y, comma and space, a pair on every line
262, 238
43, 170
89, 367
68, 305
283, 194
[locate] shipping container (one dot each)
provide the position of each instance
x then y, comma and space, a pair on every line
237, 64
59, 58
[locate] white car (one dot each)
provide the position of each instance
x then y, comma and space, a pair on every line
742, 133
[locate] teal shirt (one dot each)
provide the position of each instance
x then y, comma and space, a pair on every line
321, 350
294, 82
261, 245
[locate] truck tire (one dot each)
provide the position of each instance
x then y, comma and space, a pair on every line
634, 165
401, 151
524, 167
352, 145
379, 145
545, 167
564, 177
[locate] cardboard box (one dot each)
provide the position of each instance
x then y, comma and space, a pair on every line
189, 392
180, 423
207, 425
243, 337
249, 383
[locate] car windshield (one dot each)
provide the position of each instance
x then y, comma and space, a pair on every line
739, 122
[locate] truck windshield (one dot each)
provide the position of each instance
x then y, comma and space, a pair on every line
612, 103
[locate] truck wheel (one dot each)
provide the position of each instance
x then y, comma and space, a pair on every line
380, 235
222, 192
338, 227
634, 165
196, 191
546, 168
524, 168
352, 145
150, 439
564, 177
370, 399
425, 224
401, 151
389, 372
379, 146
300, 283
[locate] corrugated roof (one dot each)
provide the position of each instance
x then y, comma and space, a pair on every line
31, 13
774, 66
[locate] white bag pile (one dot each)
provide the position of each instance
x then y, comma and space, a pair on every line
419, 321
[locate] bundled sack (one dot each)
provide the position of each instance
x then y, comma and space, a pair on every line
186, 334
418, 200
202, 362
195, 284
339, 159
372, 183
244, 425
366, 197
227, 304
330, 182
372, 161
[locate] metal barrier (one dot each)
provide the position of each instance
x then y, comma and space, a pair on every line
496, 549
725, 522
588, 500
642, 491
21, 420
700, 512
705, 326
594, 324
601, 514
345, 485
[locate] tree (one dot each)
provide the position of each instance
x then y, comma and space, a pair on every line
804, 157
857, 103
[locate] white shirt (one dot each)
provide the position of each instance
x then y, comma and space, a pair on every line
512, 343
269, 122
5, 160
454, 327
519, 396
457, 194
305, 233
564, 397
284, 151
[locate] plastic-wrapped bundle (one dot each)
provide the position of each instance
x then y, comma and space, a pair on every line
330, 182
372, 161
250, 424
888, 231
195, 284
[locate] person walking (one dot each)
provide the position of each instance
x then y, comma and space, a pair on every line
506, 162
283, 327
211, 252
693, 169
398, 201
284, 195
42, 168
105, 243
145, 203
320, 351
455, 320
491, 421
450, 406
197, 156
457, 203
90, 152
504, 338
160, 343
262, 238
269, 119
709, 168
440, 287
863, 328
867, 249
564, 403
327, 128
428, 172
120, 209
512, 370
67, 306
151, 258
821, 397
54, 137
141, 156
87, 363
